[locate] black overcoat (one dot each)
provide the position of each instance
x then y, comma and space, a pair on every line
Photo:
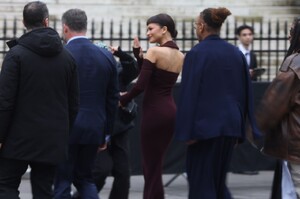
38, 98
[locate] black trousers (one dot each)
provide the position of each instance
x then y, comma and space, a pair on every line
114, 161
277, 178
41, 178
207, 164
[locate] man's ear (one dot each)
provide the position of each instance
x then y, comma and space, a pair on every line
46, 22
65, 29
165, 29
202, 27
24, 23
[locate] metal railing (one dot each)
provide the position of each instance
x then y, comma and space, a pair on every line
270, 42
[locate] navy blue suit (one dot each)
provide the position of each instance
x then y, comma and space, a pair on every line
99, 93
215, 103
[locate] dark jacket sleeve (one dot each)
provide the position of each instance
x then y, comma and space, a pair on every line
255, 133
112, 99
9, 81
141, 83
73, 96
253, 60
130, 69
275, 102
188, 98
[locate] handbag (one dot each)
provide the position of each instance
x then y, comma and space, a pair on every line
129, 112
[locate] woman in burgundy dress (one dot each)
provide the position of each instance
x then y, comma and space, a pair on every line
159, 71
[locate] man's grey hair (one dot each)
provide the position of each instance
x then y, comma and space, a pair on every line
75, 19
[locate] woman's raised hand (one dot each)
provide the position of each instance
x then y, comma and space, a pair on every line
136, 44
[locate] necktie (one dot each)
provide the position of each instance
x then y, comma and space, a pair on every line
247, 56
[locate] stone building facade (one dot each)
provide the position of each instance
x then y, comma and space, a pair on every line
141, 9
124, 9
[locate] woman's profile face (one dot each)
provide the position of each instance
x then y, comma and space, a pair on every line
199, 26
154, 32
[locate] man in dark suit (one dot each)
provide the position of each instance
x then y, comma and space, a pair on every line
214, 103
38, 104
244, 157
245, 35
99, 93
115, 160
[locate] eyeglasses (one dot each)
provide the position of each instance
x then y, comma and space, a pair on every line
196, 24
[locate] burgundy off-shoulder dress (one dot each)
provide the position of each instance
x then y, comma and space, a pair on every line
158, 120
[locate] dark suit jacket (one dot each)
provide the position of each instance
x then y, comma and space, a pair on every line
253, 60
253, 63
98, 83
216, 93
127, 72
38, 98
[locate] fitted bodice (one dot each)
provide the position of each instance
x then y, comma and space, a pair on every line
155, 82
160, 85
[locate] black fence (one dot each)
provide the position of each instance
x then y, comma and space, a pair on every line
270, 42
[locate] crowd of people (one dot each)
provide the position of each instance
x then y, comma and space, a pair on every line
66, 110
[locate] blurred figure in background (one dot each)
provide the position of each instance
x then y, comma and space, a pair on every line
245, 35
244, 157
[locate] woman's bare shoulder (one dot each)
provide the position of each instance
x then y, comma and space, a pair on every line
152, 53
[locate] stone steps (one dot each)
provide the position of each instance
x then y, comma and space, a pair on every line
122, 9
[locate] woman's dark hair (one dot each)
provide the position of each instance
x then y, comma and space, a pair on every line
214, 17
164, 20
295, 37
34, 14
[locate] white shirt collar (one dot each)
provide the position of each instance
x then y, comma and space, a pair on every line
76, 37
243, 49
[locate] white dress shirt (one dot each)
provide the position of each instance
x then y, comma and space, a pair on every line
246, 53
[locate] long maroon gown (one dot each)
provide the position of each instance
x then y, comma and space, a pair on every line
158, 120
